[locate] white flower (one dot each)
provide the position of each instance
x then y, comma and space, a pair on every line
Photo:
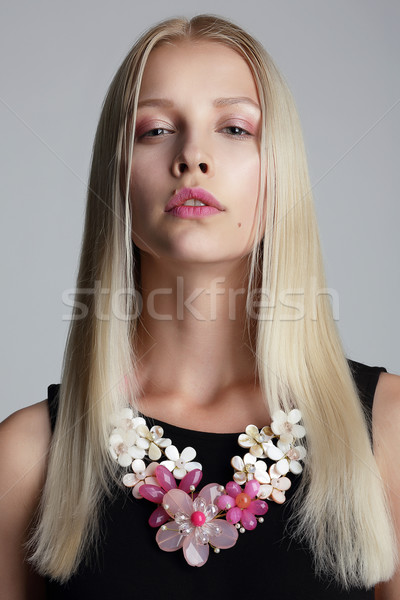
285, 425
287, 459
151, 440
257, 441
248, 468
131, 438
275, 489
122, 446
180, 464
141, 474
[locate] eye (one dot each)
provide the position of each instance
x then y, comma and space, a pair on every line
156, 132
235, 131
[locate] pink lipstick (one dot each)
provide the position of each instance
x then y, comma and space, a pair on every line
176, 206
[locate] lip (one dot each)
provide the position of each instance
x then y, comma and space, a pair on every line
185, 194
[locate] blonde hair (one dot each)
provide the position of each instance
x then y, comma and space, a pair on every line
340, 509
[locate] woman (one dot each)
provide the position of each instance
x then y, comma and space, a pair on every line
199, 229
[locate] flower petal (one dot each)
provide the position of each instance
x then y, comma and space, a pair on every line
294, 416
260, 465
210, 493
278, 496
251, 488
152, 492
154, 452
295, 467
257, 451
164, 442
188, 454
262, 476
282, 466
245, 441
274, 453
233, 489
192, 478
125, 459
142, 443
273, 472
248, 520
129, 479
168, 464
136, 452
138, 466
227, 537
233, 515
252, 431
225, 502
172, 453
142, 430
179, 473
264, 491
193, 465
136, 490
237, 463
298, 431
151, 469
284, 447
258, 507
196, 555
177, 500
165, 478
283, 483
240, 477
279, 416
170, 539
158, 517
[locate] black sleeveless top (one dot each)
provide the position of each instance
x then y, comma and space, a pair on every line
266, 563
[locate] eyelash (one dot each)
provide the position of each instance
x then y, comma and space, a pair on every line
149, 132
243, 132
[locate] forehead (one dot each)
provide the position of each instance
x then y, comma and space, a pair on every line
197, 66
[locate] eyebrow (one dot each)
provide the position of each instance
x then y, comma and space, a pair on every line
218, 102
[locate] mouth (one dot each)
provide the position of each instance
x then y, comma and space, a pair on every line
193, 197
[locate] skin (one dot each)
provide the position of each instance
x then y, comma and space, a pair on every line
197, 135
210, 378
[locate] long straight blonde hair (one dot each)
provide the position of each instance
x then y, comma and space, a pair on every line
340, 509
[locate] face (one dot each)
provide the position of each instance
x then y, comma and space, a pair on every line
197, 134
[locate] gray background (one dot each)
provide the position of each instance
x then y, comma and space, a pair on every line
57, 58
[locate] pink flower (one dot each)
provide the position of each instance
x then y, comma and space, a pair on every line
195, 525
163, 482
241, 505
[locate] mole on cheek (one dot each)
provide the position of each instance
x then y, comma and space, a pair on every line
239, 224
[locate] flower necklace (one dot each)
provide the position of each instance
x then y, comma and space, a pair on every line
216, 514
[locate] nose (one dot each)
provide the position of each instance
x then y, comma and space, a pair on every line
192, 159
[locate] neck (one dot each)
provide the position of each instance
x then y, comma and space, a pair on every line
192, 336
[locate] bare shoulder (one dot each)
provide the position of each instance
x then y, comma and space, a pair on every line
25, 435
24, 443
386, 431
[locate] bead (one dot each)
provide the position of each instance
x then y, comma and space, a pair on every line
192, 488
198, 518
164, 527
243, 500
261, 519
221, 488
166, 506
217, 550
242, 530
237, 525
